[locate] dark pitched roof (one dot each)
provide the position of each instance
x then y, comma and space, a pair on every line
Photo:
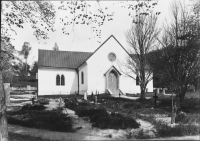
62, 59
67, 59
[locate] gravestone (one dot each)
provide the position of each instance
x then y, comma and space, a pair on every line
85, 96
95, 99
7, 93
60, 102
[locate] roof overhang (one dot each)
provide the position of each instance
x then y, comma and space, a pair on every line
112, 68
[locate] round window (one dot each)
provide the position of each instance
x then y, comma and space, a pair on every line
111, 56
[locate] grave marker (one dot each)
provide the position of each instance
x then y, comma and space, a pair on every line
85, 96
95, 99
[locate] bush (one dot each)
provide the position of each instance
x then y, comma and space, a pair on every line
179, 130
51, 120
115, 121
133, 105
90, 112
33, 107
101, 119
190, 103
43, 101
166, 102
181, 117
71, 103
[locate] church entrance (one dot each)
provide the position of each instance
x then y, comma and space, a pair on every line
112, 81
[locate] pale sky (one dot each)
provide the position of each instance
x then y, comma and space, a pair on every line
79, 40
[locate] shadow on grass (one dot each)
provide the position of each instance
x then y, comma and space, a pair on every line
18, 137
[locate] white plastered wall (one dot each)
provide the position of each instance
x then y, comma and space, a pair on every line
98, 64
47, 81
83, 87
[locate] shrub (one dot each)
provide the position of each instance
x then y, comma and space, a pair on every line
179, 130
115, 121
43, 101
133, 105
51, 120
181, 117
101, 119
90, 112
71, 103
33, 107
165, 102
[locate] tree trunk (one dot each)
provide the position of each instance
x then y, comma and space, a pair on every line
26, 68
142, 96
182, 96
3, 120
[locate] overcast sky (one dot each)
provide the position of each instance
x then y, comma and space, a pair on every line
82, 39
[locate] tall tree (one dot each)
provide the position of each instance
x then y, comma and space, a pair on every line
6, 50
34, 69
141, 38
26, 48
181, 52
56, 48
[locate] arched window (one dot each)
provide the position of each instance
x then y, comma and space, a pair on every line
137, 81
62, 80
82, 78
58, 80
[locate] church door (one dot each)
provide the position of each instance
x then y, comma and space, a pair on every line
112, 81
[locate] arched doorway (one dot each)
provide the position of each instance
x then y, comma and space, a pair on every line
112, 80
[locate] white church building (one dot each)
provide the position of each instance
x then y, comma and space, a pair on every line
67, 72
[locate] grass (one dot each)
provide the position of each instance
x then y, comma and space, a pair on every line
19, 137
53, 120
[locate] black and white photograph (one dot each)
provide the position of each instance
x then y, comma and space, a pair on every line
100, 70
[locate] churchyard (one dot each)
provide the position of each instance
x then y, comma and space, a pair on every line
101, 116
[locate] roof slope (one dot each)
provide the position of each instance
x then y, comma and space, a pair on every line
62, 59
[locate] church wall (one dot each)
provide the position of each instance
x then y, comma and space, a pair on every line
83, 87
98, 65
47, 81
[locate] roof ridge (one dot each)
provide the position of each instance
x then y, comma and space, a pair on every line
64, 51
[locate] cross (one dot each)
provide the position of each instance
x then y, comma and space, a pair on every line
155, 97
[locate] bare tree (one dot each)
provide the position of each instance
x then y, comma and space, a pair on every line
181, 52
141, 37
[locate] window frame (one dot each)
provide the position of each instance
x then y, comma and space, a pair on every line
57, 80
62, 80
82, 77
